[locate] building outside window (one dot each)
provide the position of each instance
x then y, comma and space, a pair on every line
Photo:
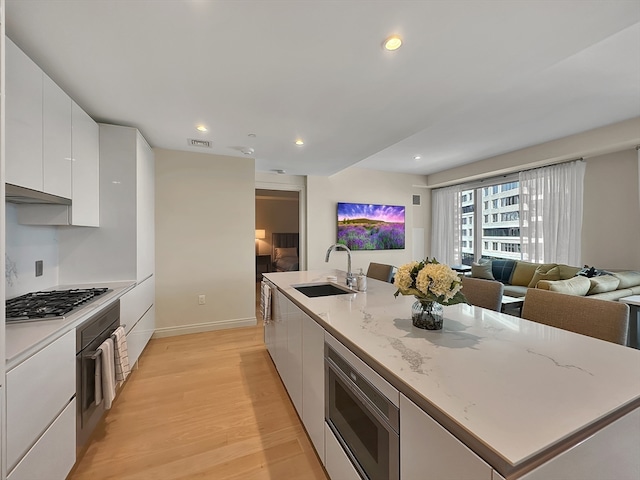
498, 222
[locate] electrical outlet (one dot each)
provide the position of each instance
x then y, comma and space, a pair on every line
38, 268
202, 299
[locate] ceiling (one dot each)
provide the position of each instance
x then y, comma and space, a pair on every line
473, 79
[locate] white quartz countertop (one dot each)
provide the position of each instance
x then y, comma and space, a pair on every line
511, 389
24, 339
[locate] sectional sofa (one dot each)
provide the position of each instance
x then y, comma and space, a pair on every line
518, 276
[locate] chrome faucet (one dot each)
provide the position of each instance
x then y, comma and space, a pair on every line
350, 277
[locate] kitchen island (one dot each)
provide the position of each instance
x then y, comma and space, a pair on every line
528, 399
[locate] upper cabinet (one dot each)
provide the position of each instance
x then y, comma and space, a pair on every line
85, 148
52, 146
23, 114
56, 139
123, 247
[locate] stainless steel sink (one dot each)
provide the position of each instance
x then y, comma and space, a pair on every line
322, 289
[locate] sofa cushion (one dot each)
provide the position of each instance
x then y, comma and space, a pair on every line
603, 283
515, 290
502, 269
627, 279
482, 270
543, 272
571, 286
613, 295
567, 271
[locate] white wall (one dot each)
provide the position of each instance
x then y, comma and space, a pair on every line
362, 186
611, 220
24, 245
204, 242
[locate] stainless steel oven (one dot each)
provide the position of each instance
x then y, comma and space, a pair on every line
89, 336
364, 421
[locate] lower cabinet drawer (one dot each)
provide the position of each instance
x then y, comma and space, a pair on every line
338, 465
139, 336
37, 391
136, 302
53, 455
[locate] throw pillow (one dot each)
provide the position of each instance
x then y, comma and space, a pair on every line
524, 271
544, 272
502, 269
573, 286
603, 284
567, 271
482, 270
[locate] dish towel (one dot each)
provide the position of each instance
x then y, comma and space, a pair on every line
108, 372
121, 354
97, 384
265, 302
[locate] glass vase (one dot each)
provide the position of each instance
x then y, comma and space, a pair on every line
427, 315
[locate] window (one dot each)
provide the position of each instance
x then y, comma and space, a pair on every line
512, 200
498, 220
510, 216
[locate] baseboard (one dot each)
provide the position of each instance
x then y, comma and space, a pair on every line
203, 327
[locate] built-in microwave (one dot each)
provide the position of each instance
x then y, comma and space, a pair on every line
364, 421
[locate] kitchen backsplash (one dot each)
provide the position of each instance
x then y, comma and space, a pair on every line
24, 245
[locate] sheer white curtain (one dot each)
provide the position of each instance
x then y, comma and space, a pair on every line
551, 213
446, 215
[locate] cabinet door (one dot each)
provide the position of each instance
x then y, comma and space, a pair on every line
140, 335
612, 452
56, 131
23, 114
37, 391
425, 446
85, 147
145, 208
313, 382
54, 454
280, 333
294, 349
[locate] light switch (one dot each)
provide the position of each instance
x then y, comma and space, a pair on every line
38, 268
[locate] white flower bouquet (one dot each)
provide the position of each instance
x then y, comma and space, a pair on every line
429, 281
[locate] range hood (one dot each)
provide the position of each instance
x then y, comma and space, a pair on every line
22, 195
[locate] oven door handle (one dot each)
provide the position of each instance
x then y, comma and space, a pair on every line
353, 388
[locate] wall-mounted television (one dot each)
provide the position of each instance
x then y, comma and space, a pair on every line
364, 226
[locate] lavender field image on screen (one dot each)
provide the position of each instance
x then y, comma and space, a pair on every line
362, 226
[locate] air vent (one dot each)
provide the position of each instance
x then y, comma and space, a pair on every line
416, 199
199, 143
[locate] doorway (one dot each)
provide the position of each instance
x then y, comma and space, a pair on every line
277, 217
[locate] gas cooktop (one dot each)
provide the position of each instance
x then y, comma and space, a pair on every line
49, 305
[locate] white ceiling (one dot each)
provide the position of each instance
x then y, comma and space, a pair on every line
473, 79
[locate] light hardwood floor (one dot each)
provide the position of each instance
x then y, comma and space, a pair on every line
202, 406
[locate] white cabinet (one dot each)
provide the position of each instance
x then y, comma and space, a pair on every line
56, 140
38, 390
278, 308
425, 446
621, 442
293, 380
123, 247
313, 382
137, 313
85, 148
53, 455
23, 113
338, 465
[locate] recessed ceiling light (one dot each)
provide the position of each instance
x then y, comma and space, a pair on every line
201, 128
392, 43
299, 142
417, 157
